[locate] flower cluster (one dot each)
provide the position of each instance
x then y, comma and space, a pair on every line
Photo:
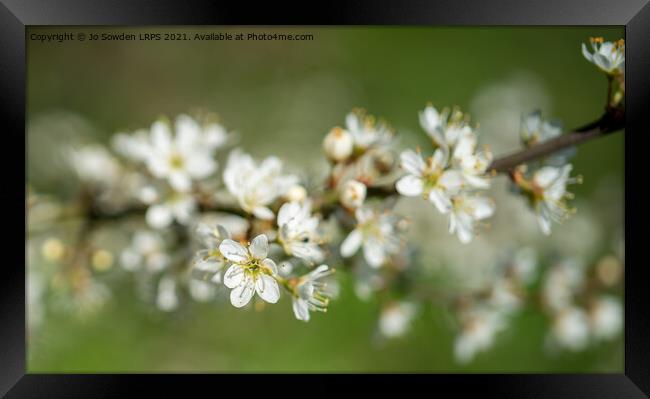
452, 176
544, 184
192, 227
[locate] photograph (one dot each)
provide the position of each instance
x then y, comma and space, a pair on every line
325, 199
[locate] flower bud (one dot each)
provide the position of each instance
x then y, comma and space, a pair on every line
296, 193
353, 194
338, 144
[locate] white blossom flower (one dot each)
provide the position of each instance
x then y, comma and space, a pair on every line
338, 144
471, 163
444, 127
395, 319
535, 130
251, 271
147, 250
298, 231
570, 329
167, 298
608, 56
366, 132
524, 264
177, 206
209, 259
181, 158
94, 164
311, 293
256, 187
480, 326
549, 195
134, 146
353, 193
430, 178
561, 283
377, 232
466, 212
296, 193
201, 291
606, 318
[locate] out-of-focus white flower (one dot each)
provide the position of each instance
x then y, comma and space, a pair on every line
353, 193
606, 318
298, 231
466, 212
250, 272
608, 56
311, 293
182, 158
209, 259
524, 264
377, 232
338, 144
561, 283
430, 178
167, 298
479, 327
201, 291
570, 329
147, 250
535, 130
256, 187
134, 146
94, 164
549, 195
444, 128
471, 163
503, 296
395, 319
178, 206
296, 193
366, 132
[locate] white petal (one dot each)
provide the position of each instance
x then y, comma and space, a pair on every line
374, 253
287, 212
586, 53
259, 247
233, 276
451, 181
233, 251
242, 294
263, 213
482, 208
200, 166
409, 186
440, 200
300, 309
159, 216
307, 251
544, 219
270, 264
161, 136
351, 244
180, 181
267, 288
545, 176
412, 162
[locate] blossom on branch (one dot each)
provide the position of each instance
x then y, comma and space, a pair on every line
251, 271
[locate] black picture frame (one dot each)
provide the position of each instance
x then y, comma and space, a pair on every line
16, 15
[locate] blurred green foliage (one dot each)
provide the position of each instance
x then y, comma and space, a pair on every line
282, 97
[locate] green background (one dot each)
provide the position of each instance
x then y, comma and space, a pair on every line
282, 96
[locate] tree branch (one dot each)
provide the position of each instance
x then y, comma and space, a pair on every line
613, 120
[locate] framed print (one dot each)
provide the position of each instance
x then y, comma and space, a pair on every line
446, 193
